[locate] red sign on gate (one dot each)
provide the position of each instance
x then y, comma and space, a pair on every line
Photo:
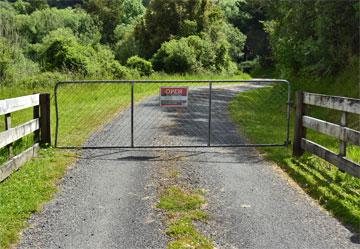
174, 96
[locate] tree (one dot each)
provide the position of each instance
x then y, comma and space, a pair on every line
166, 19
314, 37
248, 17
37, 25
112, 13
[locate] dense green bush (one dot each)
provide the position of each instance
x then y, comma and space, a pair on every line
120, 72
112, 13
314, 37
126, 45
60, 50
165, 20
6, 6
102, 64
44, 79
41, 22
7, 55
175, 56
13, 64
8, 27
193, 54
236, 40
144, 67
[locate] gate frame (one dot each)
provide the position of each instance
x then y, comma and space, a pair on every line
286, 143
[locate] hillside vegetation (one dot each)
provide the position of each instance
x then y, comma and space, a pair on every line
48, 40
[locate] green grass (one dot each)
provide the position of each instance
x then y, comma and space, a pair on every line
186, 236
183, 207
336, 191
174, 199
83, 110
24, 192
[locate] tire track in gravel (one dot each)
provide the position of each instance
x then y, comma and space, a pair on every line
107, 199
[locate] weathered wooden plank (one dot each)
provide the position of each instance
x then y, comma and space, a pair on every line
16, 104
333, 102
300, 131
15, 163
13, 134
342, 163
342, 133
352, 136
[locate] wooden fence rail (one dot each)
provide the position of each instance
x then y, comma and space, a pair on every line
39, 125
341, 132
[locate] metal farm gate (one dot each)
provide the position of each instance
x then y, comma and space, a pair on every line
167, 114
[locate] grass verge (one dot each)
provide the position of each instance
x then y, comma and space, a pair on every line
22, 194
338, 192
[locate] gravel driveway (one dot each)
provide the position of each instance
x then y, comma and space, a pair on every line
107, 199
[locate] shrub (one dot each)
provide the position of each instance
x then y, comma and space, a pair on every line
44, 79
237, 41
126, 45
122, 72
60, 50
13, 64
143, 66
175, 56
193, 54
41, 22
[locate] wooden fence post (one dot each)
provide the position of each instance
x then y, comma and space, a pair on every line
45, 127
300, 131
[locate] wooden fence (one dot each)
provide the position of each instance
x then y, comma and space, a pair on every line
39, 125
341, 132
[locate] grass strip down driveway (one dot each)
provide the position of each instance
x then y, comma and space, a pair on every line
182, 207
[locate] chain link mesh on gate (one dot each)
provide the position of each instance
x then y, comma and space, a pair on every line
128, 113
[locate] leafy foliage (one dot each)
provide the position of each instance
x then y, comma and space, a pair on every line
165, 20
126, 45
248, 16
92, 37
316, 37
60, 50
112, 13
41, 22
13, 64
193, 54
143, 66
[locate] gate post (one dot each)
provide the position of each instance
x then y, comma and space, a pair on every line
300, 131
132, 114
209, 115
45, 126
